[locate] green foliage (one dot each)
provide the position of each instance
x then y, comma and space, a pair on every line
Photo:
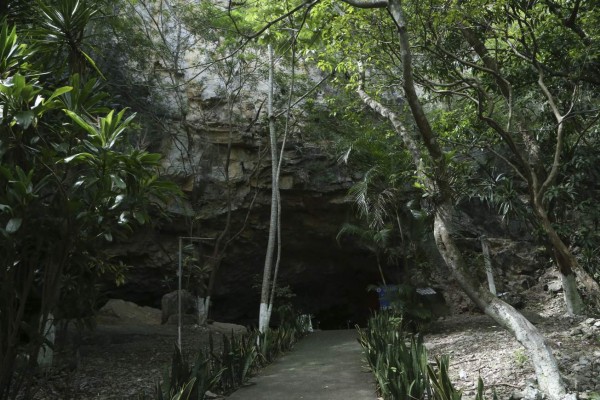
499, 193
188, 382
62, 28
238, 359
400, 365
274, 342
520, 358
226, 366
440, 380
69, 183
400, 369
406, 302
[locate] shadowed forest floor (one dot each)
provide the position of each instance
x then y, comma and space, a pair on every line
120, 362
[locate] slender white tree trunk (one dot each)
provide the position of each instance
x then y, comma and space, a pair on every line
263, 317
202, 305
568, 267
573, 301
276, 165
489, 272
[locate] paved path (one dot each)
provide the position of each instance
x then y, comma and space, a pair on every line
326, 365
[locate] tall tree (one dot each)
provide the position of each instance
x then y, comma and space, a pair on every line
506, 68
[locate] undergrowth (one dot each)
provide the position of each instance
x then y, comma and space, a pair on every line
400, 363
225, 367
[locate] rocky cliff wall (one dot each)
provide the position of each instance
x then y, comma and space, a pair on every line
195, 108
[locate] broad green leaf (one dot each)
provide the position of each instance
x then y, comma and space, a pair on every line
79, 157
82, 123
59, 91
25, 118
13, 225
139, 217
118, 182
118, 200
92, 63
123, 218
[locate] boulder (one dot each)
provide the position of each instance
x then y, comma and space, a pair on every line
553, 287
225, 328
117, 311
169, 305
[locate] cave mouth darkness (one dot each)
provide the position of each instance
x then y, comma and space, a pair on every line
333, 289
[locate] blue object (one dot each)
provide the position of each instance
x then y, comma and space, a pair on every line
386, 294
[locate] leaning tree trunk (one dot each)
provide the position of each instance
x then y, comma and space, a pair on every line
487, 259
544, 362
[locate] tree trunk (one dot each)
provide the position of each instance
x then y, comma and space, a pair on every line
45, 356
263, 317
545, 365
489, 272
202, 305
568, 268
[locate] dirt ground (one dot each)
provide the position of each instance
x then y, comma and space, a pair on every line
120, 362
479, 347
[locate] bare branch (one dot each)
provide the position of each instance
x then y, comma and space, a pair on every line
385, 112
514, 166
412, 97
367, 3
559, 134
305, 95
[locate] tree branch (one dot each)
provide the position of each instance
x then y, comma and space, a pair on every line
367, 3
559, 135
385, 112
418, 113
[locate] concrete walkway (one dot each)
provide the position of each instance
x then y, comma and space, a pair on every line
326, 365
